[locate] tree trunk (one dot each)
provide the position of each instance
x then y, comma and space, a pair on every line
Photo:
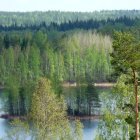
136, 99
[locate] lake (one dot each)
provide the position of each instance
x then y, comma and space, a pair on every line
81, 101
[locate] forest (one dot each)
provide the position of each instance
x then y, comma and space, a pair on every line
41, 51
25, 58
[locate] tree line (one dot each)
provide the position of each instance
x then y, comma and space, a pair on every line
104, 26
36, 18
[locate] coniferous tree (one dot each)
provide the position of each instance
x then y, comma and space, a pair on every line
126, 59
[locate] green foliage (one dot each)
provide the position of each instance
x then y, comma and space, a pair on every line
37, 18
121, 118
49, 114
2, 70
102, 21
126, 52
33, 50
34, 63
84, 53
81, 57
114, 125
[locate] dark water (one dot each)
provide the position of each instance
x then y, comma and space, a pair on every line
85, 100
81, 101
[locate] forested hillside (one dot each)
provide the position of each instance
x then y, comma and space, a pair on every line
104, 22
36, 18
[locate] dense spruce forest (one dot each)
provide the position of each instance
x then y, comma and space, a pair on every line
103, 21
36, 18
64, 47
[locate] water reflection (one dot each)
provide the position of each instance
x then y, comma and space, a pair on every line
90, 129
4, 126
82, 100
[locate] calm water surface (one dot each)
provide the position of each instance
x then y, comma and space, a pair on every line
4, 126
81, 101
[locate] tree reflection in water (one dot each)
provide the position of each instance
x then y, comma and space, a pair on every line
82, 100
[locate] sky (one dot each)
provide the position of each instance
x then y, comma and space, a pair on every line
68, 5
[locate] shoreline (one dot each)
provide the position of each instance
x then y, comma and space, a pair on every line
74, 84
12, 117
103, 84
70, 117
85, 117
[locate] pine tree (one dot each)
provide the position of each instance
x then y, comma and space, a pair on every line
126, 59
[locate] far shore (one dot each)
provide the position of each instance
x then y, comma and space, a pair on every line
74, 84
104, 84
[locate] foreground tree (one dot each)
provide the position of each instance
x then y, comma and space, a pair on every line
119, 112
49, 115
126, 59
